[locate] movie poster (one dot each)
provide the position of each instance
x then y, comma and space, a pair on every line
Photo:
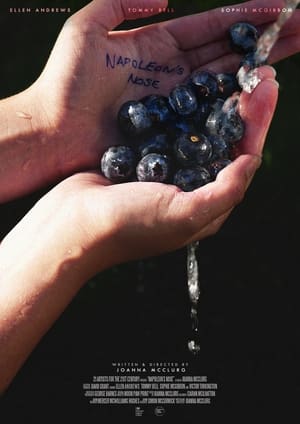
125, 347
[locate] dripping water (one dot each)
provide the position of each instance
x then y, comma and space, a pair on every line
271, 34
194, 294
249, 78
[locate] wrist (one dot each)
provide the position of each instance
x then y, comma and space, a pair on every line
27, 157
74, 127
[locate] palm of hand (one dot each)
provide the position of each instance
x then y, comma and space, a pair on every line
90, 92
93, 77
91, 67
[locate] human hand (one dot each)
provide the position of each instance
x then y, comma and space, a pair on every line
83, 86
85, 225
121, 222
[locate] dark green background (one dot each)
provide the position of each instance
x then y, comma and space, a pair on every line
249, 274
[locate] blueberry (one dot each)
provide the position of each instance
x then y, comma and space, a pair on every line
156, 143
192, 133
231, 103
191, 178
154, 167
134, 118
217, 166
220, 148
217, 104
205, 83
213, 122
183, 100
200, 116
228, 84
192, 149
228, 126
243, 37
158, 108
118, 163
180, 125
233, 127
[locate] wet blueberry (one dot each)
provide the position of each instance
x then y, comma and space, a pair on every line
232, 127
192, 133
192, 149
200, 116
213, 122
228, 84
217, 104
228, 126
180, 125
134, 118
217, 166
154, 167
190, 179
158, 107
243, 37
118, 163
155, 143
249, 61
205, 83
220, 148
183, 100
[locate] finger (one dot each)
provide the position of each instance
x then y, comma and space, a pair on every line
212, 228
199, 29
108, 14
229, 63
257, 110
220, 57
285, 47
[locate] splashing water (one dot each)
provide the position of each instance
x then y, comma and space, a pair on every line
229, 106
270, 36
194, 293
248, 78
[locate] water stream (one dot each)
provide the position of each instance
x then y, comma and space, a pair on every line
248, 80
194, 294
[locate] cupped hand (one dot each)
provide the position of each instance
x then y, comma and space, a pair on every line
113, 223
92, 69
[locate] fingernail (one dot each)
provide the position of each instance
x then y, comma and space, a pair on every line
271, 69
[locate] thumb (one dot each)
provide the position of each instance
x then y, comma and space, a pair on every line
257, 110
110, 13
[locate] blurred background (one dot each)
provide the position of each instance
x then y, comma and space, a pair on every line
249, 271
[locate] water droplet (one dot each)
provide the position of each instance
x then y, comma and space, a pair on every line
194, 318
248, 79
192, 272
194, 347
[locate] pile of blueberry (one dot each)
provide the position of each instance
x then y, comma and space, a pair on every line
188, 137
